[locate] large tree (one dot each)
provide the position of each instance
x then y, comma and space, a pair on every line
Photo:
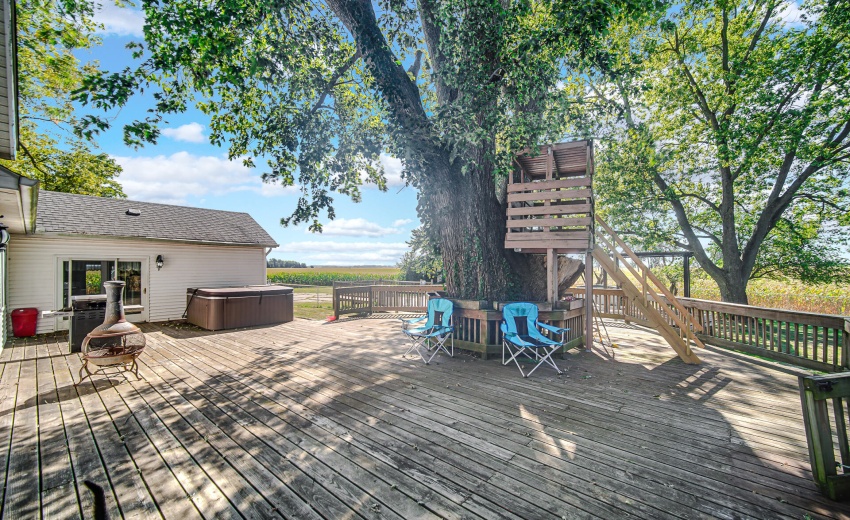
726, 130
320, 89
50, 35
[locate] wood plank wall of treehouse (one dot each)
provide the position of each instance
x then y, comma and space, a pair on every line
550, 209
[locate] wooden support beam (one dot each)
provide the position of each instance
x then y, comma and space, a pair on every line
551, 276
588, 301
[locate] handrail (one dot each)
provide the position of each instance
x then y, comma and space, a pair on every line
682, 319
649, 274
816, 341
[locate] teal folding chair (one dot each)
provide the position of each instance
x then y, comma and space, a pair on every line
431, 332
522, 337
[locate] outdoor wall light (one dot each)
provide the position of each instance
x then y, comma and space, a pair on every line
159, 262
4, 236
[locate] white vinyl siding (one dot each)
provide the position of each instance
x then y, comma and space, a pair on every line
34, 270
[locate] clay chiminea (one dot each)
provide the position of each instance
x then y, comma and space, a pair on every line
116, 342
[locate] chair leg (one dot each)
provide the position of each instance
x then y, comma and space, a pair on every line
440, 344
514, 356
548, 360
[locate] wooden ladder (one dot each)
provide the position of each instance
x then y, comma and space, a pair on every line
667, 315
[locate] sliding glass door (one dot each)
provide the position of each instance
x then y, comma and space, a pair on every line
81, 276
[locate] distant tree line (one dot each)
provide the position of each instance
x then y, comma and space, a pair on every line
276, 262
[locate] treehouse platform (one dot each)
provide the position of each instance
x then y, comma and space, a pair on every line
550, 200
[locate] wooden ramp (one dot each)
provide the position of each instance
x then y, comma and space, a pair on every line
658, 305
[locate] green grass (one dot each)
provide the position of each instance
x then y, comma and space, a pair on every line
313, 311
316, 289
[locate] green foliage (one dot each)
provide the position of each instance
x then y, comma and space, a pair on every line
50, 36
726, 132
72, 167
93, 282
285, 82
285, 264
326, 278
423, 261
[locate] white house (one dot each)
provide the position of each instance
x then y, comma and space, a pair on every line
80, 241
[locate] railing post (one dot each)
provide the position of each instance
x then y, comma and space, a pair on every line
845, 345
336, 302
588, 302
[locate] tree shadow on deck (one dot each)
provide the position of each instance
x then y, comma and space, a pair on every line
302, 418
626, 436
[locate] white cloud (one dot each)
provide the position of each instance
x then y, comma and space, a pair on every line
392, 170
121, 21
190, 133
345, 253
401, 222
357, 227
169, 179
792, 14
276, 190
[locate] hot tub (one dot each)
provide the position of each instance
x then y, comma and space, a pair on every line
233, 307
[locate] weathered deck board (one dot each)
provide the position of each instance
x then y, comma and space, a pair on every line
503, 433
328, 421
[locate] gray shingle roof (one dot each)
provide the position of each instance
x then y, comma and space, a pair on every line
85, 215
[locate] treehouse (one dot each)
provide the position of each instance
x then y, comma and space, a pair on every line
550, 211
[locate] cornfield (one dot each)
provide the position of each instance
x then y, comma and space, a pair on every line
789, 295
328, 277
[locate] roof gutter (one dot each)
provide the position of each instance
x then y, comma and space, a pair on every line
28, 189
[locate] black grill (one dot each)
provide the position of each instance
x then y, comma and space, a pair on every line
89, 312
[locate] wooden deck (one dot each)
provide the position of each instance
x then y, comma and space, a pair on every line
311, 420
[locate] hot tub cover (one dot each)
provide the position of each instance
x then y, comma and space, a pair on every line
235, 292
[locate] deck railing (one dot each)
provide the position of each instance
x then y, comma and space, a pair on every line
369, 299
476, 329
816, 341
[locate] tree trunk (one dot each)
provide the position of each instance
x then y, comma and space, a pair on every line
460, 206
733, 287
470, 222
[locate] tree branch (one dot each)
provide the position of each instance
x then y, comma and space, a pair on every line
333, 81
709, 235
702, 199
34, 162
702, 101
757, 36
687, 229
431, 30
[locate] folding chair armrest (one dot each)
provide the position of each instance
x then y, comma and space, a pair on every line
556, 330
406, 323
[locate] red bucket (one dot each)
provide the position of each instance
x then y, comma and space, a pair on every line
24, 322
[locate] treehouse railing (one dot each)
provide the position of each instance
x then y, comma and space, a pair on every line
816, 341
550, 200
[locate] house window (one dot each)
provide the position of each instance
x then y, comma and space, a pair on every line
81, 277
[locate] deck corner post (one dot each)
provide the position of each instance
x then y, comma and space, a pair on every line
588, 301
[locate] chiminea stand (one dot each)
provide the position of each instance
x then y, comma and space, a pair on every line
116, 343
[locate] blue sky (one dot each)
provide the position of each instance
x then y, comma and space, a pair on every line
184, 168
